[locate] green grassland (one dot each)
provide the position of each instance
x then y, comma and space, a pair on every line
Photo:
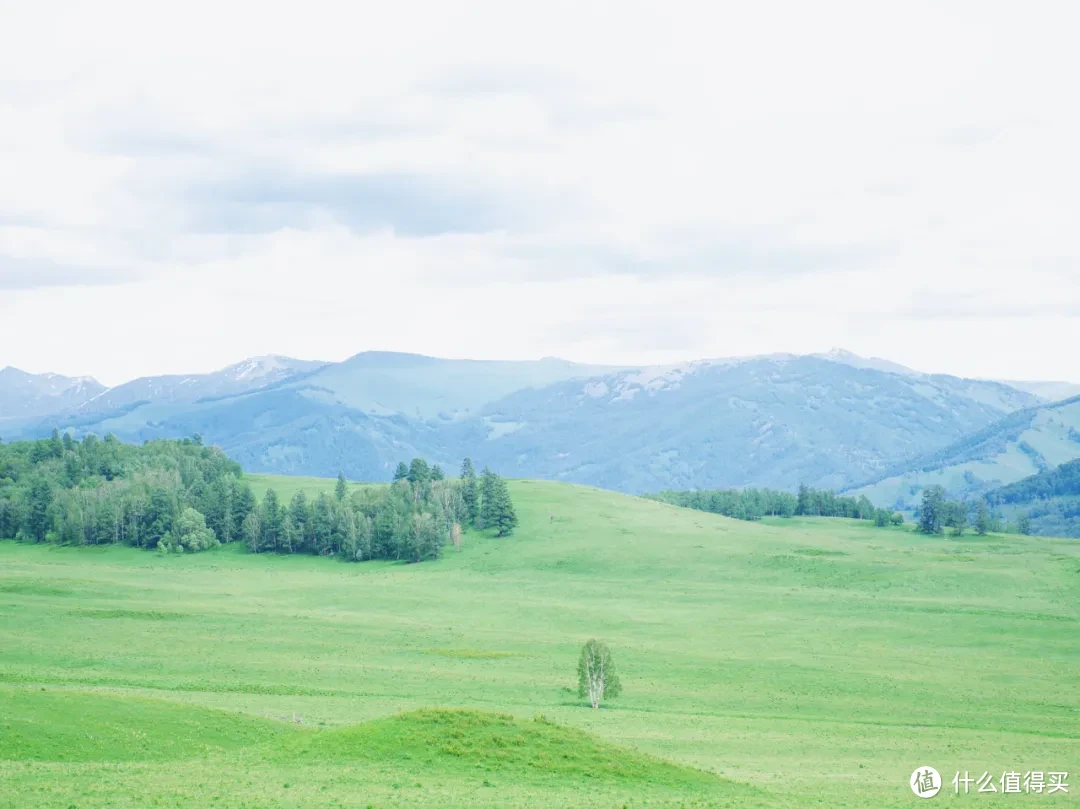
804, 662
286, 487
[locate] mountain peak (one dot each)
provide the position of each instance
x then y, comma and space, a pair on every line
845, 357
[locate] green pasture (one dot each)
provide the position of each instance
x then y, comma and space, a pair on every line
804, 662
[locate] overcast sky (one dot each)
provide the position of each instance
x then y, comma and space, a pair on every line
184, 185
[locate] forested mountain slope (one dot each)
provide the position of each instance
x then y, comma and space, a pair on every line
1024, 443
1050, 500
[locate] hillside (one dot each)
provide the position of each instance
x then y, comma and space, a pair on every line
767, 421
1050, 499
1025, 443
773, 421
802, 663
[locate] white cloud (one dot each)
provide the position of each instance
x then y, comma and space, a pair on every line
606, 181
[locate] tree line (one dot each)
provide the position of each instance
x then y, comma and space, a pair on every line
753, 504
411, 520
181, 496
936, 513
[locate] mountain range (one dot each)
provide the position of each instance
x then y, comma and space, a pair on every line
832, 420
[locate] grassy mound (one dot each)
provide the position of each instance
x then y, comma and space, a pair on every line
494, 742
58, 725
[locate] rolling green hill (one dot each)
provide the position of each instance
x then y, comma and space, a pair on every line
1028, 442
804, 662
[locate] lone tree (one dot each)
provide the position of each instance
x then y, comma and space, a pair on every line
597, 678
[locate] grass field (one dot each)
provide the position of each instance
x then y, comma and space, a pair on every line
805, 663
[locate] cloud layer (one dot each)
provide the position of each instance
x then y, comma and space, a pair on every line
614, 182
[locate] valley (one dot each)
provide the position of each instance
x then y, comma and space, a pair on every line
786, 663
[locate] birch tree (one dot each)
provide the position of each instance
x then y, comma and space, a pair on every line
597, 678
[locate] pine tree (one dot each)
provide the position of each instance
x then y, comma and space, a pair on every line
402, 472
437, 473
300, 515
56, 445
322, 526
419, 473
802, 505
503, 517
487, 498
982, 518
272, 518
41, 497
342, 487
470, 494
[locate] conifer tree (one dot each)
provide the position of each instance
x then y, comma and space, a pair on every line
469, 492
402, 472
419, 473
342, 487
501, 516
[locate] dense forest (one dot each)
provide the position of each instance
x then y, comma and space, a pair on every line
1048, 502
177, 496
753, 504
1060, 482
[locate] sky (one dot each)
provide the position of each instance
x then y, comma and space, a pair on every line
186, 185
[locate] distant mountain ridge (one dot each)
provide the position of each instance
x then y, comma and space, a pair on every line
251, 374
24, 395
829, 420
768, 421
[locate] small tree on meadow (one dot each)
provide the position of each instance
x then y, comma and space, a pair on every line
597, 678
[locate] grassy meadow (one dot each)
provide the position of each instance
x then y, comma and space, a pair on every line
790, 663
